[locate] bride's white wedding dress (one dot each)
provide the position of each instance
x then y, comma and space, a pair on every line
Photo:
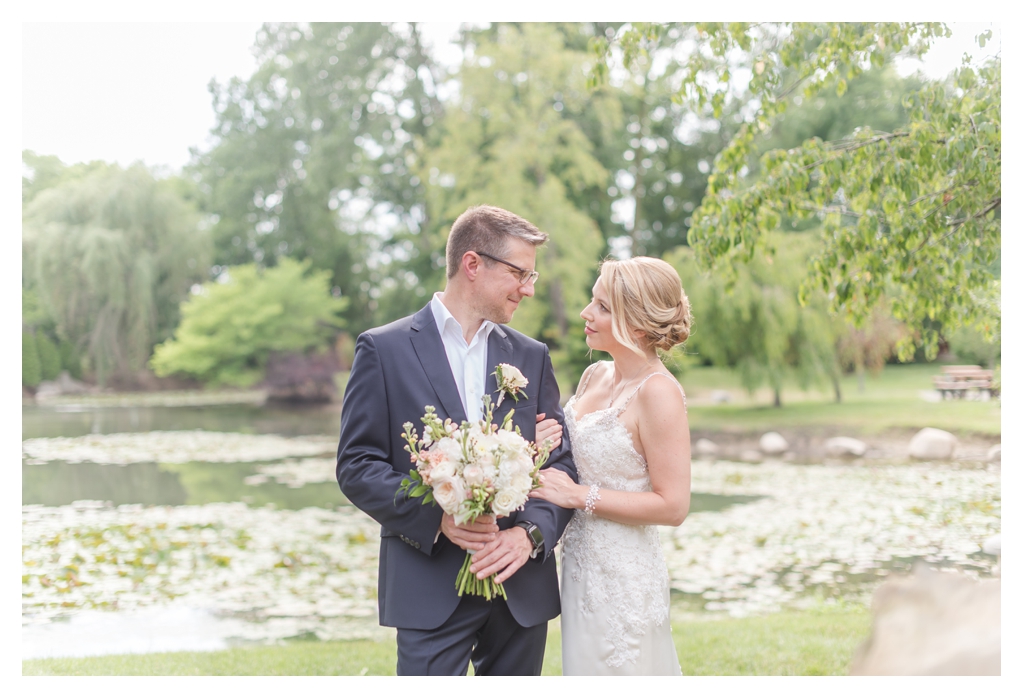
614, 582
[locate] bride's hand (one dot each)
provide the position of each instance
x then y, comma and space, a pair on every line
558, 488
547, 429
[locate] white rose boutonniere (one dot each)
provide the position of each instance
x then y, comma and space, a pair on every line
510, 381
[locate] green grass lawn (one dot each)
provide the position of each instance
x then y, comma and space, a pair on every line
812, 642
890, 400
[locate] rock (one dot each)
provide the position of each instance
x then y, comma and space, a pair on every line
933, 624
773, 444
705, 449
933, 444
750, 455
64, 385
993, 545
720, 397
994, 454
844, 447
47, 389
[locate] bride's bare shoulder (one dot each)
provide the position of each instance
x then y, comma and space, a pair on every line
661, 393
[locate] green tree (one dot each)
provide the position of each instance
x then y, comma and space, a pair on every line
911, 215
754, 322
110, 255
312, 154
229, 329
31, 370
868, 346
49, 357
506, 143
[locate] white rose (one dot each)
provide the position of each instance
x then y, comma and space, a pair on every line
443, 468
473, 475
521, 483
506, 501
450, 448
448, 493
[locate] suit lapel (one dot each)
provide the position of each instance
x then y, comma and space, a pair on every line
434, 360
499, 351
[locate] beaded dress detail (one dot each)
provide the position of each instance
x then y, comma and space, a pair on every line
615, 584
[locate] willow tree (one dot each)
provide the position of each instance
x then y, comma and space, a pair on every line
111, 254
506, 143
753, 322
910, 217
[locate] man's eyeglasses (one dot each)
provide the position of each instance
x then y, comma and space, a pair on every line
526, 276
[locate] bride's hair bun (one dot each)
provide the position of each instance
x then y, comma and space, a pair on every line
646, 294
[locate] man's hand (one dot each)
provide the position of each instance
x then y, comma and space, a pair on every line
548, 429
470, 536
505, 554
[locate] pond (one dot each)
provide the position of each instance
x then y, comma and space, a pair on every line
152, 528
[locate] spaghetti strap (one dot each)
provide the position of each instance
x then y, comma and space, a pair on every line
586, 378
642, 382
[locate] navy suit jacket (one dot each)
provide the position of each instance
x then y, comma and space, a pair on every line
398, 370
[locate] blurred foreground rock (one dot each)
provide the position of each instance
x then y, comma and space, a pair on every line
844, 447
994, 454
933, 444
933, 624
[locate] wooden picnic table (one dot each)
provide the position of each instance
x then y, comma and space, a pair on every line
955, 382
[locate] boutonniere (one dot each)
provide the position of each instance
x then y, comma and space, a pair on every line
510, 381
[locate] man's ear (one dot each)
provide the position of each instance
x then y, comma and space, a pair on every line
471, 263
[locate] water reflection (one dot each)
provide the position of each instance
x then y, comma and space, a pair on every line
51, 422
167, 484
170, 484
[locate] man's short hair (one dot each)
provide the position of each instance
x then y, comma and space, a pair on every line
487, 229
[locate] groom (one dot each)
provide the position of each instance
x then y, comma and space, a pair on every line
445, 356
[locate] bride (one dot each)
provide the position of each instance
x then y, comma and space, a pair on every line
630, 438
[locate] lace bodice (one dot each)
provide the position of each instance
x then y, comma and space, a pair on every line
623, 564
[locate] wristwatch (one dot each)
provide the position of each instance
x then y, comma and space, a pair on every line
534, 534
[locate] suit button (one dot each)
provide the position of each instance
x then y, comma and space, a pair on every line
417, 546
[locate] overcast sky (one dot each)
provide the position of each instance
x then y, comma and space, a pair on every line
128, 92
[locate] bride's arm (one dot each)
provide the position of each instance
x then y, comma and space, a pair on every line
664, 438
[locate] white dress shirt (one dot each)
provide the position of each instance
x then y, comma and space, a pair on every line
468, 361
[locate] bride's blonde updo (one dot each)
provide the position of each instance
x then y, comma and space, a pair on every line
646, 294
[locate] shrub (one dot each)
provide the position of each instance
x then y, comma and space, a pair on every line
31, 370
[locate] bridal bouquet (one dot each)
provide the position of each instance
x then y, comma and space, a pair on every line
474, 469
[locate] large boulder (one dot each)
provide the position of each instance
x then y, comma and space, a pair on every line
933, 444
844, 447
933, 624
705, 449
773, 444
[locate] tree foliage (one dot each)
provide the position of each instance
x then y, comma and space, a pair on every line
110, 253
31, 369
311, 155
506, 143
755, 324
911, 215
230, 328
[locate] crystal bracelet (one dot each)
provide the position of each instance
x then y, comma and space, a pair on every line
592, 497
